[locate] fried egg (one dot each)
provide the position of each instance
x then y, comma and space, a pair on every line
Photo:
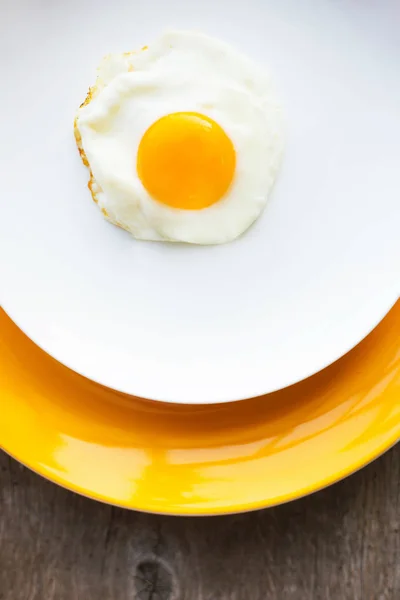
183, 140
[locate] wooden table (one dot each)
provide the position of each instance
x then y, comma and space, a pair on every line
342, 543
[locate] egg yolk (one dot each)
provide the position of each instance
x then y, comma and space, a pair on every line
186, 160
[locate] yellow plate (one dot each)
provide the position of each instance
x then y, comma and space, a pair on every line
199, 459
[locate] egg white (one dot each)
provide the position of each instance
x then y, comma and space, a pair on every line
187, 72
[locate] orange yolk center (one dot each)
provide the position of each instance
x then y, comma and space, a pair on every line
186, 160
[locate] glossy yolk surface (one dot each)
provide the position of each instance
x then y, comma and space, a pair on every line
186, 160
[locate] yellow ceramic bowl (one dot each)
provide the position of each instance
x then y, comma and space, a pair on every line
199, 459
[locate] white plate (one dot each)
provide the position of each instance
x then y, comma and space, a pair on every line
205, 324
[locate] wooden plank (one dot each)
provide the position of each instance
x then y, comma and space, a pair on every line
341, 543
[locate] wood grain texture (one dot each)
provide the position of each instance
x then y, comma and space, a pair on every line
342, 543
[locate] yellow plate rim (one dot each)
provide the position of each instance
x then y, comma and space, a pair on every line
14, 343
